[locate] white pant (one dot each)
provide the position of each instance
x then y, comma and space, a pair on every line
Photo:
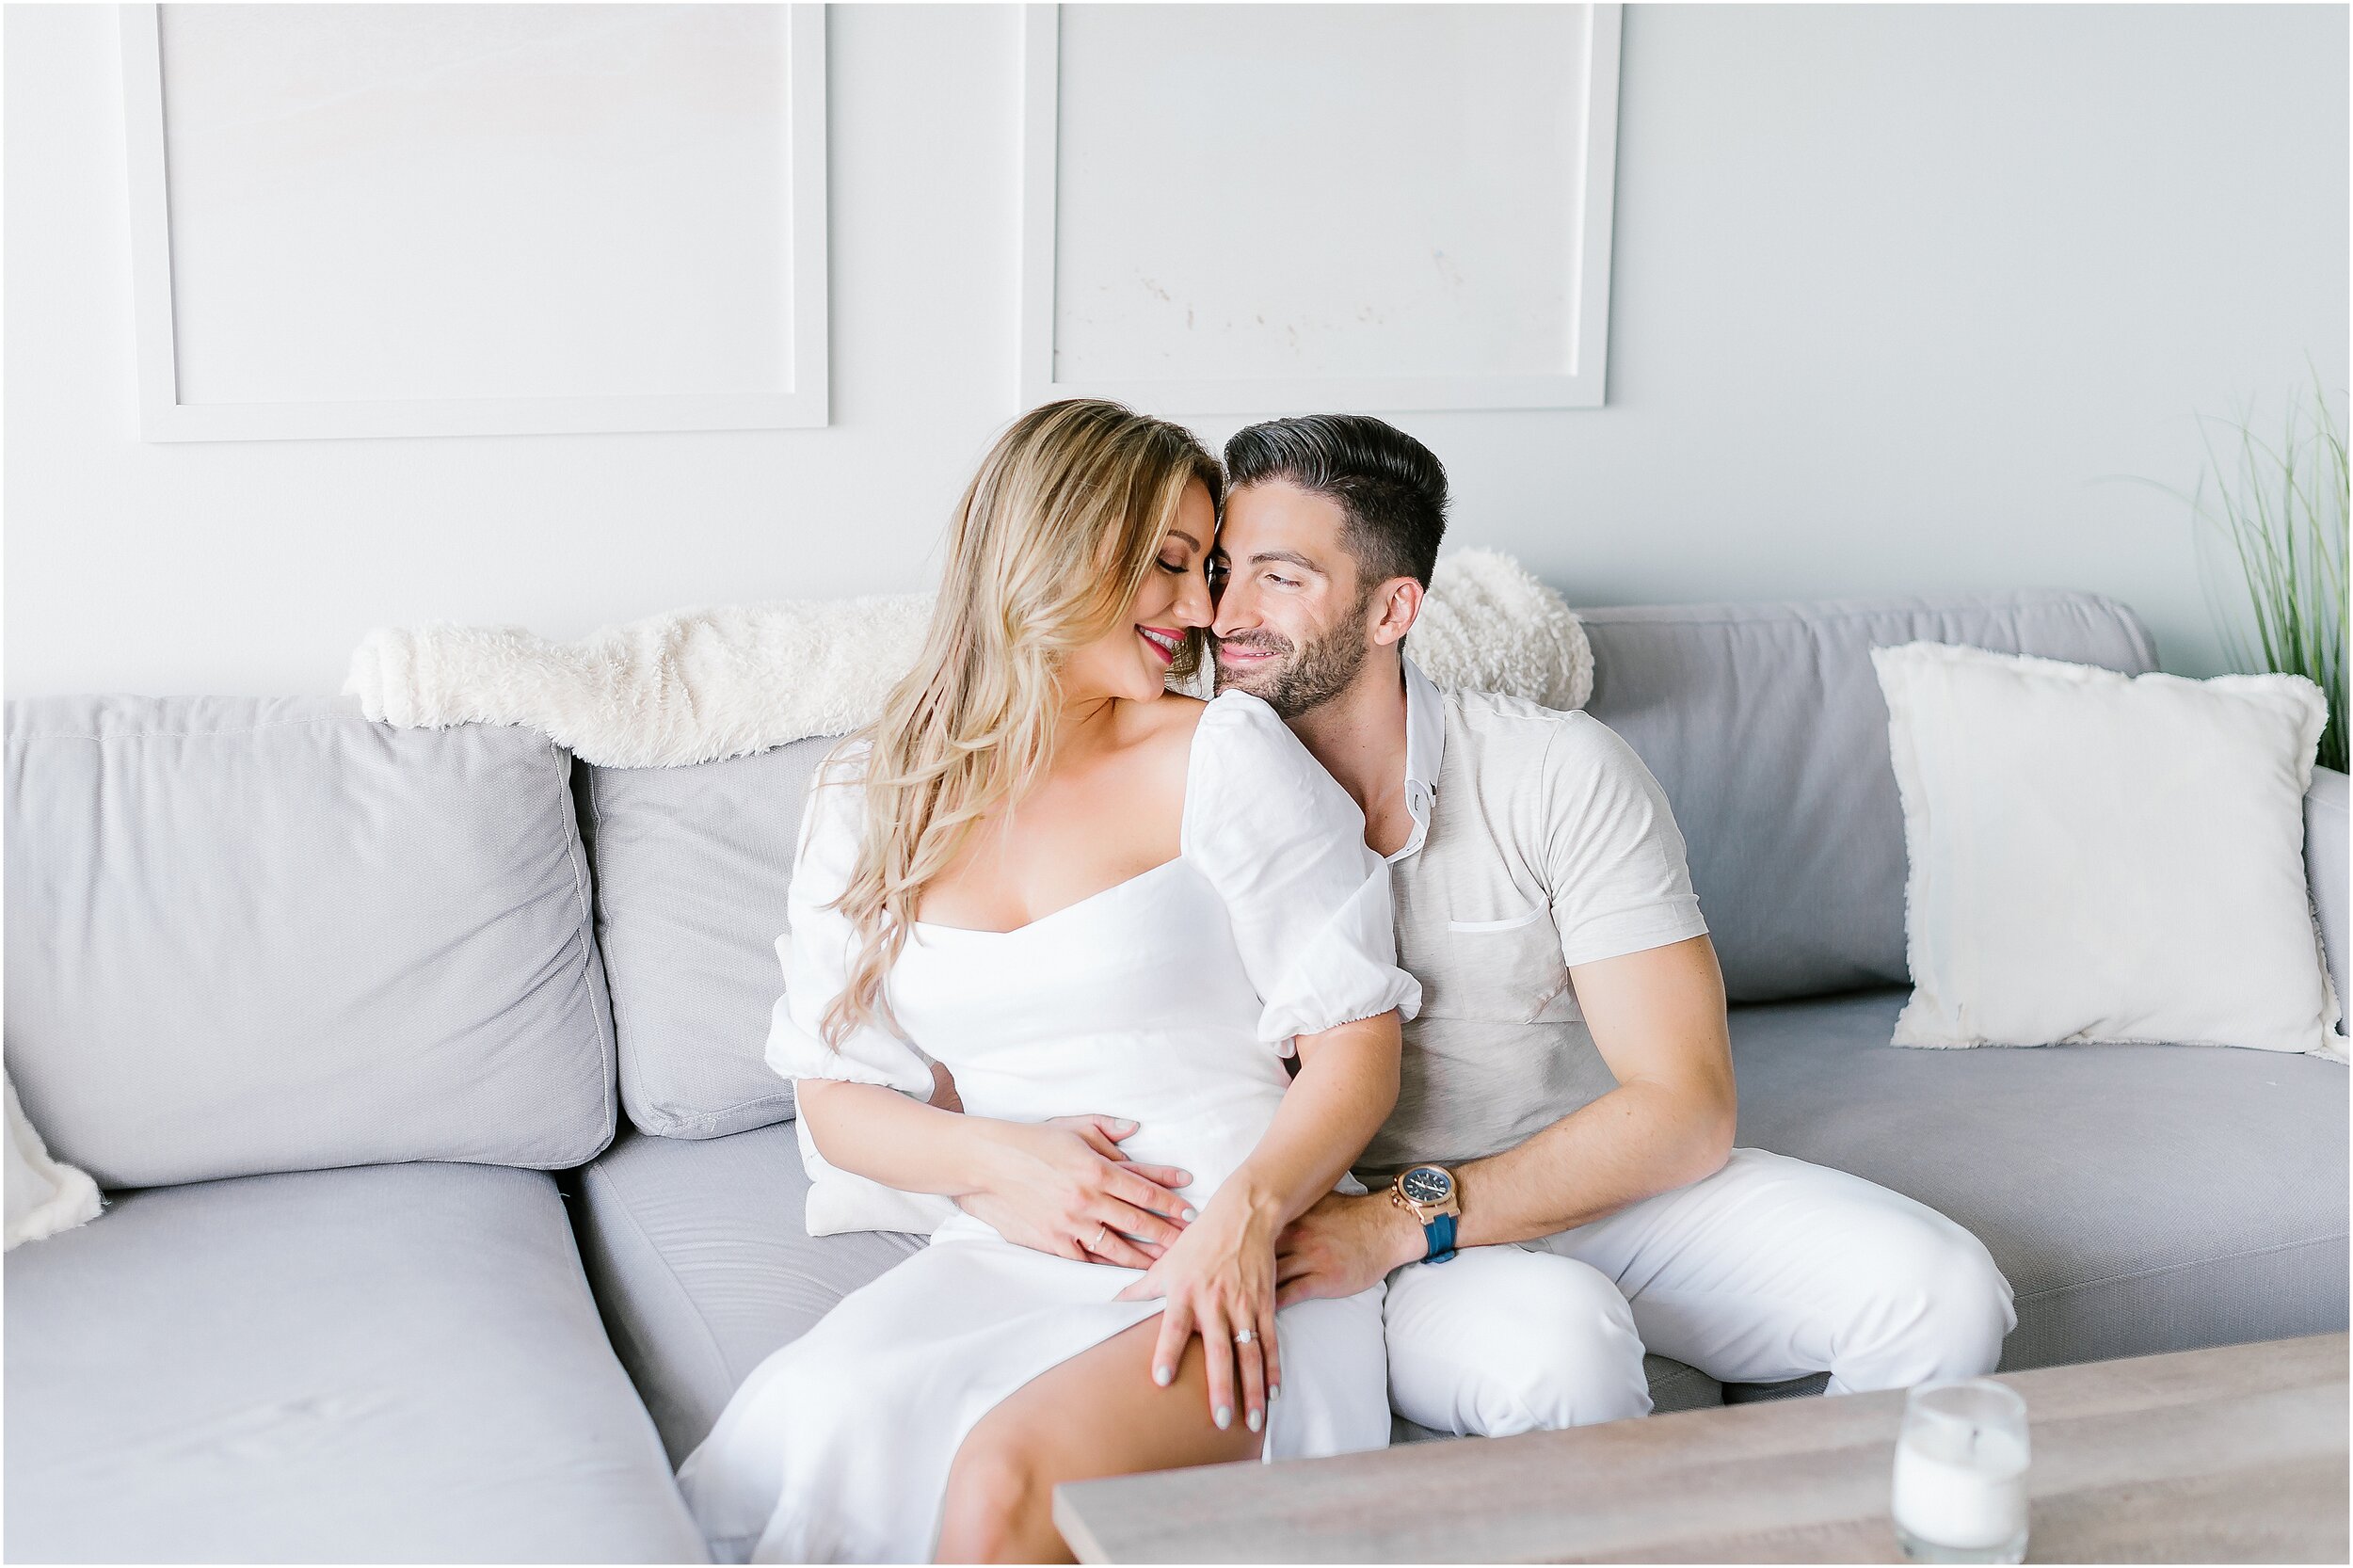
1770, 1268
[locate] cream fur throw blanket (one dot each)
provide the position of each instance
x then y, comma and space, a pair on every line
699, 685
43, 1196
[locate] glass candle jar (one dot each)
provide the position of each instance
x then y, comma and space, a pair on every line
1961, 1473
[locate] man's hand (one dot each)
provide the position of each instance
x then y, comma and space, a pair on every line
1064, 1187
1343, 1245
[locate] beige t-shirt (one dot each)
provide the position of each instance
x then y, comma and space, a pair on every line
1541, 842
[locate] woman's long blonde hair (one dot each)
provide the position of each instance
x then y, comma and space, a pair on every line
1050, 546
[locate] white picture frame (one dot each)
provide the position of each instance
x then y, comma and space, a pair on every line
164, 416
1579, 382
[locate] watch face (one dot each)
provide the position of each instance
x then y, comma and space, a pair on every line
1427, 1184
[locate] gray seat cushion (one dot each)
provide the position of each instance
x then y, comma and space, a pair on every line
1765, 725
387, 1364
2140, 1198
250, 934
702, 1267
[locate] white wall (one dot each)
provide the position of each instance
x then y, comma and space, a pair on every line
1895, 289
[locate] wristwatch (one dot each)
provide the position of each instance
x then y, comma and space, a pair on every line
1428, 1192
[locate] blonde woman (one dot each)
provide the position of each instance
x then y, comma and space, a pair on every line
1093, 902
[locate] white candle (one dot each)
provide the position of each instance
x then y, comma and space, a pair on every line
1961, 1486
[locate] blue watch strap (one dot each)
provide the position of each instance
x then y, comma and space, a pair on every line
1440, 1232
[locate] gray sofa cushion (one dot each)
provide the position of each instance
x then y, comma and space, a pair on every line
691, 867
701, 1267
2140, 1198
701, 1264
266, 934
384, 1365
1765, 725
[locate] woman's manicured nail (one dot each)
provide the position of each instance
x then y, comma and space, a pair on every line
1225, 1417
1126, 1125
1274, 1391
1190, 1215
1163, 1376
1258, 1419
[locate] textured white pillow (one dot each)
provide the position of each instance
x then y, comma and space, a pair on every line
2100, 856
42, 1197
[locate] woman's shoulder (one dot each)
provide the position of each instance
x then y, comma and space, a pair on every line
1162, 731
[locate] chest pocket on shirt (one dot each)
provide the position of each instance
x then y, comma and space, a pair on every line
1502, 967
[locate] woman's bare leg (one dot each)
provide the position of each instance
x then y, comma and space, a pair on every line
1099, 1414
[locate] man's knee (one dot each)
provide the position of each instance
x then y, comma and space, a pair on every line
1579, 1374
1972, 1308
1941, 1309
1530, 1341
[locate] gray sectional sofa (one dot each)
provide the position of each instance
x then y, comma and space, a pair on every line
448, 1198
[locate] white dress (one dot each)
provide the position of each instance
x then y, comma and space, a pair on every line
1169, 999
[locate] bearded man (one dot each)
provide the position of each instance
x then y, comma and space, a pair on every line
1557, 1189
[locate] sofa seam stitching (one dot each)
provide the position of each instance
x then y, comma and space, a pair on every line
2177, 1268
2072, 600
197, 734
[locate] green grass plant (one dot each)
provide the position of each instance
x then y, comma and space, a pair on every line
2273, 525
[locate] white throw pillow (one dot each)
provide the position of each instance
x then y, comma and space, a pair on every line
2101, 857
42, 1197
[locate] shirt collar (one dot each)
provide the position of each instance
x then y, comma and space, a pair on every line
1425, 748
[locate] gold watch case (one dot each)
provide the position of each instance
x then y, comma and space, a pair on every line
1424, 1210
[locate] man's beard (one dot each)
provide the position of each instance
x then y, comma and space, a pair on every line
1312, 675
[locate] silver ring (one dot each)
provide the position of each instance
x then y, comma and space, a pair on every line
1246, 1336
1102, 1231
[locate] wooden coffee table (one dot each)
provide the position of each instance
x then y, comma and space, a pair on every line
2237, 1454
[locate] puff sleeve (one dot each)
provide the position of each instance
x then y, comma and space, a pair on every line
1284, 847
815, 952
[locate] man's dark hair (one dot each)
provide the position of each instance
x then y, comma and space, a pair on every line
1390, 488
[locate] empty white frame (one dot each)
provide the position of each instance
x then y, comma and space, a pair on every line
476, 219
1271, 208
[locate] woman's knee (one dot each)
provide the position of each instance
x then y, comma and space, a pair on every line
999, 1492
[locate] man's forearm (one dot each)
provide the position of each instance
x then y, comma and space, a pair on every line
1637, 1140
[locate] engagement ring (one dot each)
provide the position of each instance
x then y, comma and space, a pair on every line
1246, 1336
1101, 1232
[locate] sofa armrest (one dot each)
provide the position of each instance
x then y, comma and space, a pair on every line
2325, 846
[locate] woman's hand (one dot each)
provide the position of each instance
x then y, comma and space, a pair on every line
1219, 1280
1064, 1187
